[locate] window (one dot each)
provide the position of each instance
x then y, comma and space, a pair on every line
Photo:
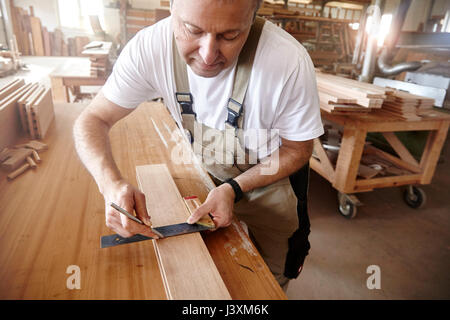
75, 14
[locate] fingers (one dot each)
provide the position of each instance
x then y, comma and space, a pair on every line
201, 211
130, 199
141, 208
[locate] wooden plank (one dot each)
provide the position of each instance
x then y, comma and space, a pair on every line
46, 39
58, 43
432, 151
30, 117
10, 88
36, 31
80, 42
10, 127
384, 182
394, 160
324, 160
16, 159
161, 14
22, 108
59, 91
187, 269
42, 110
141, 13
347, 164
139, 23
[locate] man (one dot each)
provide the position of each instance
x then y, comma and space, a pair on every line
205, 53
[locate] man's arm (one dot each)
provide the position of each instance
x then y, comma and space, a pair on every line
91, 135
290, 157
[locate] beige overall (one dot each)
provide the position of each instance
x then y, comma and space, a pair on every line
269, 212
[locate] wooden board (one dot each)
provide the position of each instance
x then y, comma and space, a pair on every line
43, 113
22, 107
36, 31
28, 104
58, 43
186, 266
9, 88
46, 40
10, 127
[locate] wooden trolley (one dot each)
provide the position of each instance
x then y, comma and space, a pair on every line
343, 175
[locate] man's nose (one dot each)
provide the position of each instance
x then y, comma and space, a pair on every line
209, 49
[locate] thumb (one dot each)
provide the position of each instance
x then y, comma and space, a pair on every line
204, 209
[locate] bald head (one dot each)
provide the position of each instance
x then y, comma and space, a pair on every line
256, 2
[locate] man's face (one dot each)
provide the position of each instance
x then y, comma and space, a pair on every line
210, 33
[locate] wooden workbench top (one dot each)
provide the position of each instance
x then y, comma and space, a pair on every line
53, 217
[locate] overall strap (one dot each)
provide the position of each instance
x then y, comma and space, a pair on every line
242, 76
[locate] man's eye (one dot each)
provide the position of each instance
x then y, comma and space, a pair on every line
193, 30
230, 37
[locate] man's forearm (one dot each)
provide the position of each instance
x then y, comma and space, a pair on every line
288, 160
94, 149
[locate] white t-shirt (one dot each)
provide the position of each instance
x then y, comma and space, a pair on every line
282, 92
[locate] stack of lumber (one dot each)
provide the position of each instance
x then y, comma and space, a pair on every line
98, 53
405, 106
21, 157
339, 95
132, 20
24, 108
34, 39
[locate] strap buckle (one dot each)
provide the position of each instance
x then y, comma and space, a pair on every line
185, 100
234, 110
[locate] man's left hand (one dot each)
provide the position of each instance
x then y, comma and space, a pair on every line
219, 204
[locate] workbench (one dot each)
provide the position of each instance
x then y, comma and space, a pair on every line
52, 218
71, 75
343, 175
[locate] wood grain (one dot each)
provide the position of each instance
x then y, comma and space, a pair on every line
10, 127
187, 269
53, 217
42, 110
36, 31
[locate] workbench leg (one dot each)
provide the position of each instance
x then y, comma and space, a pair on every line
348, 160
432, 152
60, 92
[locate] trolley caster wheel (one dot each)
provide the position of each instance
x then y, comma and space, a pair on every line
414, 197
348, 205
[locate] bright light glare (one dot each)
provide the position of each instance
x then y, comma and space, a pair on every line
354, 25
382, 31
75, 13
69, 13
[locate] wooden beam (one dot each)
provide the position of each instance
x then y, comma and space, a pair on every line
393, 181
432, 151
187, 268
324, 160
394, 160
348, 160
399, 148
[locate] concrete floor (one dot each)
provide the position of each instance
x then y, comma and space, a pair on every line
411, 246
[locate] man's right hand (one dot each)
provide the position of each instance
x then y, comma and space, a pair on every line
131, 199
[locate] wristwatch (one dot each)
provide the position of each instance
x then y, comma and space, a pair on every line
237, 189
